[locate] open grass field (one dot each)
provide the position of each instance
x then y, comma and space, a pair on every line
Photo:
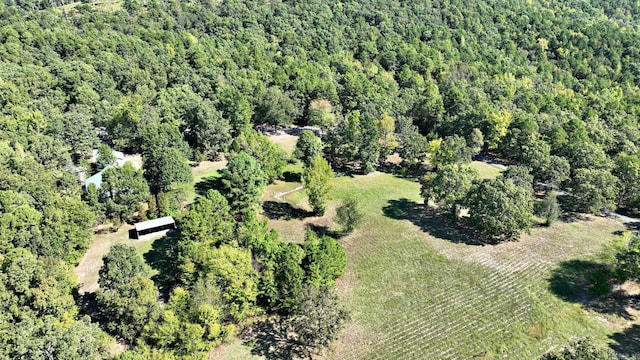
89, 266
419, 289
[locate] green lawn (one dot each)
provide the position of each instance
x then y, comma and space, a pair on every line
416, 291
486, 171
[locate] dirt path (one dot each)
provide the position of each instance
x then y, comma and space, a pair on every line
278, 196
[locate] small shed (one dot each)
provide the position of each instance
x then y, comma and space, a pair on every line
151, 226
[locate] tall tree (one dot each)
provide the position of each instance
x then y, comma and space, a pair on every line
321, 113
349, 215
165, 166
121, 263
308, 147
243, 181
593, 190
208, 220
271, 157
499, 209
123, 189
128, 308
325, 260
627, 170
105, 157
315, 180
209, 132
386, 130
448, 187
317, 320
452, 150
276, 108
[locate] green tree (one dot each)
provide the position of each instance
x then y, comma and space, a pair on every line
126, 124
315, 180
124, 189
317, 320
413, 146
325, 260
208, 220
165, 166
581, 349
349, 215
593, 190
452, 150
369, 149
321, 113
499, 209
105, 157
628, 261
271, 157
243, 181
520, 175
549, 209
308, 147
276, 108
232, 270
209, 132
121, 263
475, 141
129, 307
77, 132
448, 187
537, 156
386, 130
288, 277
557, 172
627, 170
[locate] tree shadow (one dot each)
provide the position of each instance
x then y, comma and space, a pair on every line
88, 304
163, 258
322, 230
272, 339
275, 210
590, 284
432, 222
209, 183
402, 170
290, 176
627, 343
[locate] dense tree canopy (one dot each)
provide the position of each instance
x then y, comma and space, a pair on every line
549, 85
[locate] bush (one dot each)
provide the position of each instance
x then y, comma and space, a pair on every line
348, 215
549, 209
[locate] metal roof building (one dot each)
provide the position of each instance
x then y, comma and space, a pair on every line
151, 226
96, 179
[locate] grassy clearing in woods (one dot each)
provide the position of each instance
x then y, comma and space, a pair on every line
416, 290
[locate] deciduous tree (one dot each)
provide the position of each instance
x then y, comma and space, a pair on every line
448, 187
315, 180
499, 209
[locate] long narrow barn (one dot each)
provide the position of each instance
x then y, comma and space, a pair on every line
155, 225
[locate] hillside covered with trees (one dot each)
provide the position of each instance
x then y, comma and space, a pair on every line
550, 88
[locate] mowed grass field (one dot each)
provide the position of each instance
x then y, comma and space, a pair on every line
416, 290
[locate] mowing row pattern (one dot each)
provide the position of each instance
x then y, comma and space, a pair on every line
426, 298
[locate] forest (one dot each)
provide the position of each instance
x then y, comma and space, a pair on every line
550, 89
